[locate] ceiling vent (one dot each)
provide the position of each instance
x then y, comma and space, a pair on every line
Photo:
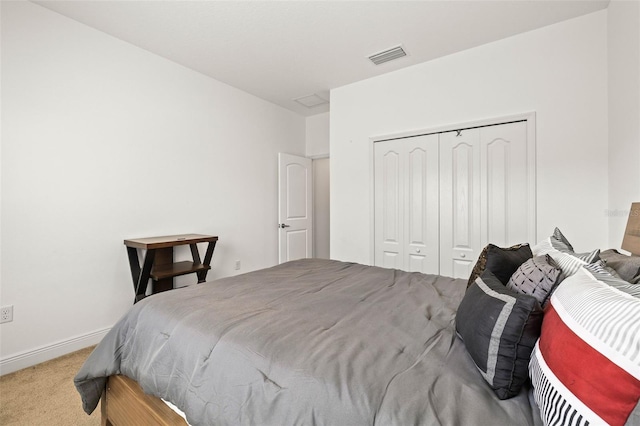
311, 101
387, 55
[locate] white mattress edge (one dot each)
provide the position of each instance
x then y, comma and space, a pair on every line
176, 409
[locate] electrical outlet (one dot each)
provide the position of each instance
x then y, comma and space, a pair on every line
237, 265
6, 314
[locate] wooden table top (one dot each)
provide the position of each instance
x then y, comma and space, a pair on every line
168, 241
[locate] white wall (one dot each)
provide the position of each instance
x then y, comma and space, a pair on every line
102, 141
317, 135
624, 114
560, 72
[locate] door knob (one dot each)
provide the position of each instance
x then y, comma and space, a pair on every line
462, 255
282, 225
417, 250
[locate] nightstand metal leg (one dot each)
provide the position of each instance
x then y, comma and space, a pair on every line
145, 274
202, 276
134, 265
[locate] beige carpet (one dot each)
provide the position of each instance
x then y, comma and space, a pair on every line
45, 395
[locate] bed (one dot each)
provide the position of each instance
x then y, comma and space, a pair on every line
306, 342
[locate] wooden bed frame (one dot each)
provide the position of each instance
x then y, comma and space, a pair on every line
125, 403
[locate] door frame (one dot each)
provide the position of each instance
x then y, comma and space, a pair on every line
316, 207
529, 117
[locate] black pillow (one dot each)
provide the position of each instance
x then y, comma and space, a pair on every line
499, 328
503, 262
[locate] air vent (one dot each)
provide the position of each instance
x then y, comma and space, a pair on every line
388, 55
311, 101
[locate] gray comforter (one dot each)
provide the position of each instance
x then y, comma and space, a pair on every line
310, 342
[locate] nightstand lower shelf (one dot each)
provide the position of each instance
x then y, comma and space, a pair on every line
161, 272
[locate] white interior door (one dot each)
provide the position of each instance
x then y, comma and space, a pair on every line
295, 202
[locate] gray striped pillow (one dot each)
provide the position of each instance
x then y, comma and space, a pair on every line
499, 328
562, 252
570, 262
599, 272
560, 238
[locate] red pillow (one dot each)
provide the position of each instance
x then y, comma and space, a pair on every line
586, 364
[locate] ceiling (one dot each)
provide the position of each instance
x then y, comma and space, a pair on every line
283, 50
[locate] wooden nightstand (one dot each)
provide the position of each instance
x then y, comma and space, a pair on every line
158, 261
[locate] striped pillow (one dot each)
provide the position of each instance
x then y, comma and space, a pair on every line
562, 252
556, 242
571, 262
559, 236
585, 367
599, 272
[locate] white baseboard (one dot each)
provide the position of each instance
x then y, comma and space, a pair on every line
45, 353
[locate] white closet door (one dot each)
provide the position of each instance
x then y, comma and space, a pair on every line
484, 193
505, 189
406, 204
389, 201
422, 212
441, 198
460, 237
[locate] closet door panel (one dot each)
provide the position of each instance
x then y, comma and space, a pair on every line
462, 195
495, 161
459, 202
422, 213
505, 190
389, 201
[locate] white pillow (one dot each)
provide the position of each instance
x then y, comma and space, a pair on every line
562, 252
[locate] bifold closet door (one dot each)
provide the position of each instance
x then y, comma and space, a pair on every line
504, 165
484, 193
406, 204
460, 239
389, 204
